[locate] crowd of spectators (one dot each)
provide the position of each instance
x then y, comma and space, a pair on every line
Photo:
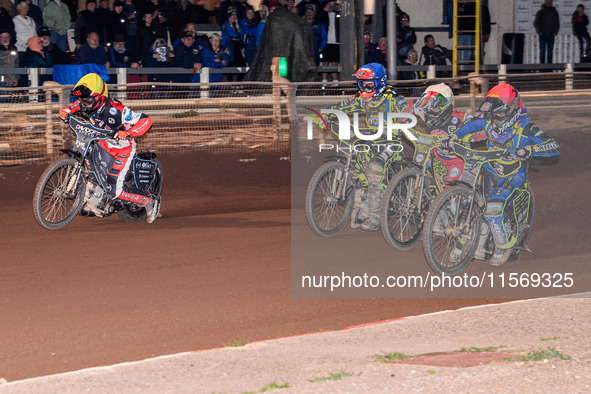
149, 33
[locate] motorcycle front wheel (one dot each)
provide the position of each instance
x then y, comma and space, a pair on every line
327, 211
451, 231
402, 218
59, 194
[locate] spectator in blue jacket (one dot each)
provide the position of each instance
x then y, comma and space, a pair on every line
249, 28
318, 30
215, 56
35, 57
188, 55
92, 52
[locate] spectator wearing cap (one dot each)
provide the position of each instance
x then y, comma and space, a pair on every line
8, 59
188, 27
248, 26
147, 33
116, 22
86, 22
222, 11
303, 6
188, 54
56, 16
232, 39
121, 56
25, 28
318, 31
92, 52
57, 55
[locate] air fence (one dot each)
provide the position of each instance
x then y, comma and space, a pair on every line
249, 116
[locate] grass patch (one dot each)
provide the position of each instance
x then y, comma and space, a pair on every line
236, 343
333, 376
269, 387
186, 114
480, 349
549, 339
537, 355
431, 371
392, 356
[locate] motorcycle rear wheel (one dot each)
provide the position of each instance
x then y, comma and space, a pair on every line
327, 213
56, 202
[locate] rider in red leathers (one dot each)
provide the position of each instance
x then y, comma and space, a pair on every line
94, 103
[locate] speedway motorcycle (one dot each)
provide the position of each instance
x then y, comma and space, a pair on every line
409, 194
455, 218
77, 186
337, 191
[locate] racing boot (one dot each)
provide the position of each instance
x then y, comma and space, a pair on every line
372, 223
481, 248
500, 257
456, 254
360, 212
152, 209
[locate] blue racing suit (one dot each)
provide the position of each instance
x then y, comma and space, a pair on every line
507, 175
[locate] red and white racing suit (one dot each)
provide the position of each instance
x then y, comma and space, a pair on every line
454, 164
116, 116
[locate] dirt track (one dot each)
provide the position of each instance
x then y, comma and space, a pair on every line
214, 270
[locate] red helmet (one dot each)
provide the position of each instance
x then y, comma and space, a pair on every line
502, 106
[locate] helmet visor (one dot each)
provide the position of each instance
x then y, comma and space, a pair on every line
367, 85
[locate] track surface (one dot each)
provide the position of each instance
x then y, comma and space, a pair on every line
213, 270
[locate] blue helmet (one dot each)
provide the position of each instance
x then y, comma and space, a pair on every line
371, 72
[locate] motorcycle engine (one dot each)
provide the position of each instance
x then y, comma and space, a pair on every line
95, 199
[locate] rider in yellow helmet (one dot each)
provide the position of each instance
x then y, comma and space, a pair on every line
93, 103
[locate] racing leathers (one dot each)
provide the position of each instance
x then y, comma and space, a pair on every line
454, 164
113, 115
503, 177
376, 156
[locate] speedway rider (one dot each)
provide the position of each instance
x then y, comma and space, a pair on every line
436, 108
94, 104
504, 117
374, 97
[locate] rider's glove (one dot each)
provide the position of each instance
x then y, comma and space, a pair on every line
448, 143
65, 116
121, 135
519, 154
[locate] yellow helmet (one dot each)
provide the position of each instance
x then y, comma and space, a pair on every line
92, 91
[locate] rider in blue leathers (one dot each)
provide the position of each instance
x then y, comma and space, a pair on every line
504, 117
